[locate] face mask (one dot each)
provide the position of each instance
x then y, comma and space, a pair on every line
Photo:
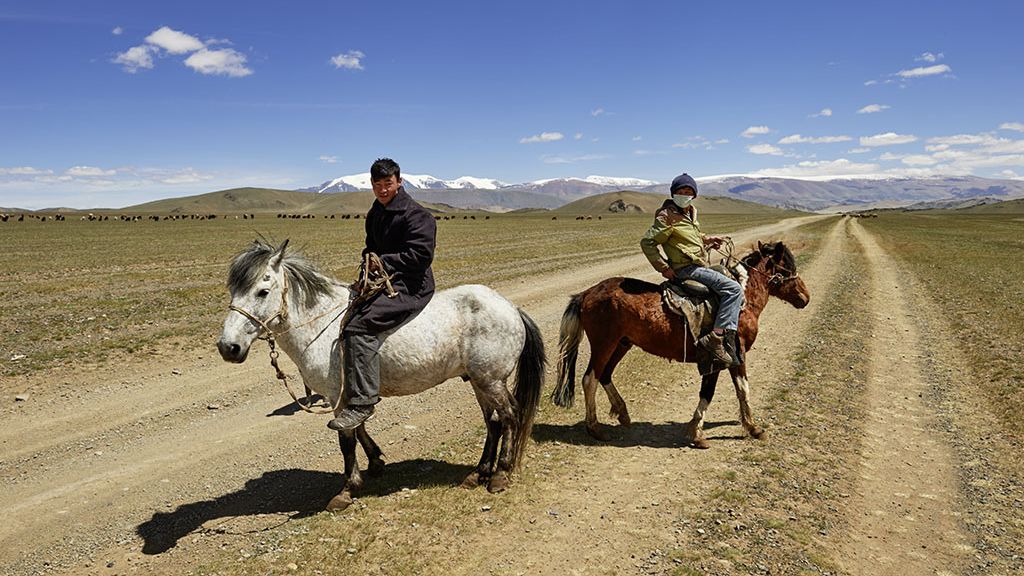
682, 201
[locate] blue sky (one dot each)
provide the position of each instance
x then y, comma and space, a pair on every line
115, 103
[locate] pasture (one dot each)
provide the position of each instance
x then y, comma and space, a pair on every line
166, 460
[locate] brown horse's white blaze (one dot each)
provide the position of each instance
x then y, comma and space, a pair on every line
619, 313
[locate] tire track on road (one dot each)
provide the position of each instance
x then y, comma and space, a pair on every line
907, 508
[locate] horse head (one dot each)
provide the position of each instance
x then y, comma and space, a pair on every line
258, 286
777, 263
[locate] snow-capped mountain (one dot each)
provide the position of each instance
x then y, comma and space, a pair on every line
600, 181
356, 182
804, 194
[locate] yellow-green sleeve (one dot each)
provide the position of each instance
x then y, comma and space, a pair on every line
656, 235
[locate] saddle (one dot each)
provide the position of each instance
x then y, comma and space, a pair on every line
696, 304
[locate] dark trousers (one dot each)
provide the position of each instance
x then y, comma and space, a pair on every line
362, 368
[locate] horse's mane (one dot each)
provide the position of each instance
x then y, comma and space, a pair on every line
754, 258
305, 281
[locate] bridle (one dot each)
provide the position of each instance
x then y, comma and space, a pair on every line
266, 333
776, 279
373, 279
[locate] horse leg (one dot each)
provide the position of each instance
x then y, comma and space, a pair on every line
695, 427
618, 405
483, 470
353, 480
739, 381
506, 414
600, 353
373, 452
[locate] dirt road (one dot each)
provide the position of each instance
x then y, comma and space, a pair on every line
179, 444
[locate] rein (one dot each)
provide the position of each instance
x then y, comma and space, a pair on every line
373, 279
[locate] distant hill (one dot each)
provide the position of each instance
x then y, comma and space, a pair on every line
266, 201
1005, 207
631, 202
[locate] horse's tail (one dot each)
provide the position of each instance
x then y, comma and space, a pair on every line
570, 333
529, 381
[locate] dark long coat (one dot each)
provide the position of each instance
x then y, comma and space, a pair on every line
403, 235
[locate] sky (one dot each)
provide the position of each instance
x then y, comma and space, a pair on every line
113, 103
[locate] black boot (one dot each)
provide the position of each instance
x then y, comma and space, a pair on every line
715, 344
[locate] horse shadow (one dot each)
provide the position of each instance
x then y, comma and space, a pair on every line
293, 408
649, 434
293, 493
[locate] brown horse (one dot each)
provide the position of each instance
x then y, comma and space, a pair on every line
619, 313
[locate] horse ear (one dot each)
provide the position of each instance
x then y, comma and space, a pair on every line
759, 246
279, 254
780, 250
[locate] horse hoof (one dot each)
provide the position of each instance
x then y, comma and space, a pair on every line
758, 432
340, 502
499, 482
700, 444
376, 468
624, 419
471, 481
598, 433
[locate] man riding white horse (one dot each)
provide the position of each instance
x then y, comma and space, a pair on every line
402, 233
677, 231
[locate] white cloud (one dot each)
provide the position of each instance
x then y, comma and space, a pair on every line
542, 137
924, 71
722, 141
23, 171
89, 171
826, 112
329, 159
597, 112
572, 159
637, 138
871, 82
351, 60
888, 156
963, 139
1017, 126
186, 176
798, 139
858, 150
929, 57
173, 41
117, 31
649, 152
764, 149
752, 131
886, 139
578, 136
872, 108
1009, 174
919, 160
225, 62
135, 58
821, 168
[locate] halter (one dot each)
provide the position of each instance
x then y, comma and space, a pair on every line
267, 334
776, 279
373, 279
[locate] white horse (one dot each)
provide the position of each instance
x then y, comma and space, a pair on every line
468, 331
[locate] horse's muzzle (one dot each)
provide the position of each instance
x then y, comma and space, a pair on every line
232, 352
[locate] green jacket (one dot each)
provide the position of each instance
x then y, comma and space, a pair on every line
679, 236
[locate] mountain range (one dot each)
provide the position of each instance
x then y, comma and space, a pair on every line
841, 194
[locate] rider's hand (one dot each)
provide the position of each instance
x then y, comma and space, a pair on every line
669, 273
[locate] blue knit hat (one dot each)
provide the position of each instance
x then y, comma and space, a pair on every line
682, 181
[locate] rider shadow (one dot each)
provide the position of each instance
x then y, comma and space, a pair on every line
651, 435
290, 494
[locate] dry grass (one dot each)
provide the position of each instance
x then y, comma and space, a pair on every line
970, 265
93, 292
